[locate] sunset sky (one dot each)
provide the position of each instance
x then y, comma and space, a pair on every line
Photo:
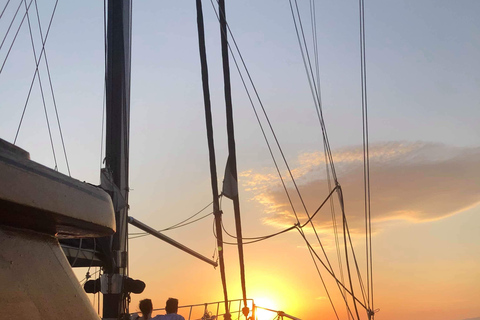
423, 77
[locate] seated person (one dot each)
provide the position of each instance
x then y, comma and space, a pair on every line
171, 309
146, 307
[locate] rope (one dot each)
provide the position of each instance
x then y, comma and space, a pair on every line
366, 161
179, 224
102, 160
41, 87
328, 153
11, 23
231, 142
78, 252
311, 79
331, 273
270, 125
5, 8
255, 111
275, 138
327, 166
169, 228
320, 207
346, 251
36, 70
317, 101
211, 148
51, 86
257, 239
16, 34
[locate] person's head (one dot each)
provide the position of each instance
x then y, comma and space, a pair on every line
146, 307
172, 305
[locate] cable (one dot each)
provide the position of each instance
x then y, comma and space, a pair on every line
317, 100
51, 85
11, 23
274, 135
320, 207
5, 8
179, 223
78, 252
333, 275
41, 87
104, 81
171, 228
366, 161
15, 37
258, 239
34, 74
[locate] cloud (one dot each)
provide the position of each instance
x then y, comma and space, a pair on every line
416, 182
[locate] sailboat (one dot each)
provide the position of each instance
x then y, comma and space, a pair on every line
55, 222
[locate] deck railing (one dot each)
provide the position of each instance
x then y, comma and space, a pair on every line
216, 311
212, 310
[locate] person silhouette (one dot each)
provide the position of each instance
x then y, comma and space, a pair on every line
171, 309
146, 308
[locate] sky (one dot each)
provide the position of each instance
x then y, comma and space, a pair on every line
423, 107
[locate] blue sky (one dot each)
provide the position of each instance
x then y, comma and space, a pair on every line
423, 95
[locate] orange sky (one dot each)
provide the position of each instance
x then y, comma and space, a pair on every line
425, 266
422, 62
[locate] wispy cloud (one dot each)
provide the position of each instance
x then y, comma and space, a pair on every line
416, 182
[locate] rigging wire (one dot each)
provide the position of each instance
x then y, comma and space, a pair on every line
316, 97
257, 239
40, 84
5, 8
51, 87
36, 69
340, 194
232, 158
261, 104
328, 153
255, 110
173, 227
16, 34
266, 139
311, 78
181, 223
105, 80
313, 18
317, 100
78, 252
11, 23
325, 285
331, 273
274, 135
366, 161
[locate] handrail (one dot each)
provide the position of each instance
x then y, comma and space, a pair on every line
207, 315
279, 313
210, 316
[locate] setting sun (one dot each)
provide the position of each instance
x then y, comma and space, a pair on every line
266, 303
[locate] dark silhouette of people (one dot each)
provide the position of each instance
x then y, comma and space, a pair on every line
146, 308
171, 309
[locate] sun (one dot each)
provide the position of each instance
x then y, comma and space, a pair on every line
262, 314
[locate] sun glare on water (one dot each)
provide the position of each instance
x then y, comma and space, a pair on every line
262, 314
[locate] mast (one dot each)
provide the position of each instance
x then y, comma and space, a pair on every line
117, 78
